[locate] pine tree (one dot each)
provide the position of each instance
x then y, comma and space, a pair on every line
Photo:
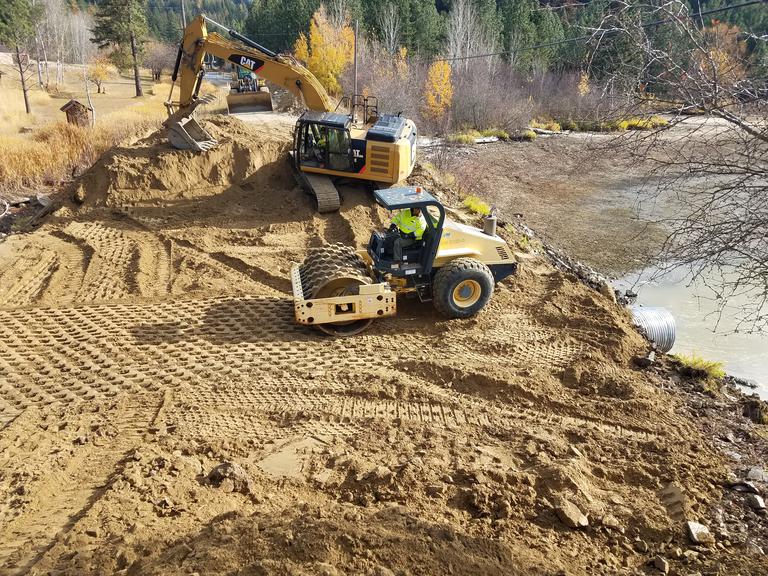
277, 24
122, 23
17, 18
549, 29
426, 28
518, 31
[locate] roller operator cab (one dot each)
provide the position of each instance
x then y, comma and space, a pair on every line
378, 149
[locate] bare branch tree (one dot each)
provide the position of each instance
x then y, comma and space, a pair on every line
713, 166
159, 57
467, 36
389, 27
337, 11
80, 25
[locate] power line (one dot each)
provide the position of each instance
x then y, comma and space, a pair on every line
590, 36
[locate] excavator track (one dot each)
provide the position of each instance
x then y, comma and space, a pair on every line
335, 270
320, 187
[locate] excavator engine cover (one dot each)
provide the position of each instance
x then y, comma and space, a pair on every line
187, 134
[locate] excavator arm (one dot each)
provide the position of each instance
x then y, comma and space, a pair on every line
183, 130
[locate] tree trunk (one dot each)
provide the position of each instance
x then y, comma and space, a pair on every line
88, 96
39, 63
45, 64
135, 55
24, 88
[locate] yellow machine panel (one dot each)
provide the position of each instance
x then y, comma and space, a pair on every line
459, 240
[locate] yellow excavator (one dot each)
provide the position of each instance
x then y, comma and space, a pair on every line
247, 93
349, 141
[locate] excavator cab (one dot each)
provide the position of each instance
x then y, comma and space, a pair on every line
323, 140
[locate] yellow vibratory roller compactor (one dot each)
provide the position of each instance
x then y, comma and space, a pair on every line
341, 291
350, 140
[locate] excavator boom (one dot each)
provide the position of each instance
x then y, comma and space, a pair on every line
183, 131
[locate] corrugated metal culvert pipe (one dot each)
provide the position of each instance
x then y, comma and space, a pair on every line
657, 324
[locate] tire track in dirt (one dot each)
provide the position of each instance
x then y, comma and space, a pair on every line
58, 506
104, 350
26, 279
109, 268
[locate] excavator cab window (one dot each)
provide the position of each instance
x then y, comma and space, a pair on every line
339, 149
314, 145
325, 147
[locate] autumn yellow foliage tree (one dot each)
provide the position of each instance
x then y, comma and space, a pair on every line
100, 69
328, 50
438, 90
723, 61
401, 64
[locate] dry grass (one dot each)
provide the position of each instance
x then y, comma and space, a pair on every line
13, 116
550, 125
58, 151
470, 136
633, 123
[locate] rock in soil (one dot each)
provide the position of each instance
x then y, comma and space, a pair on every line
231, 477
698, 533
756, 502
757, 473
661, 564
570, 515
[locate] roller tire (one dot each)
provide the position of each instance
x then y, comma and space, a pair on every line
462, 272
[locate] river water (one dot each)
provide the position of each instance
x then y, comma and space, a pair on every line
700, 329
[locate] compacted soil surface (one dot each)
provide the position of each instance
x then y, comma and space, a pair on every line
162, 413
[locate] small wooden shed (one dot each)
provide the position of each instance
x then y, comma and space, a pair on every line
77, 113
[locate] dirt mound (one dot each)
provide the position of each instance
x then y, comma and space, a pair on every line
152, 170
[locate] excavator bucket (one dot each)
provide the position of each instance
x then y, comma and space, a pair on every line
187, 134
255, 101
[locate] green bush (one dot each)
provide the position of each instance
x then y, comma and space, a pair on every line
476, 205
697, 366
470, 135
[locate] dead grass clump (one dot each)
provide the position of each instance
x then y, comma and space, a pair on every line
471, 135
550, 125
60, 151
709, 372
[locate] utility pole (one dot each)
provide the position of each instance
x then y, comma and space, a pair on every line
354, 90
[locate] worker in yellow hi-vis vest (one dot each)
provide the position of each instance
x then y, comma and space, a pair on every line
411, 224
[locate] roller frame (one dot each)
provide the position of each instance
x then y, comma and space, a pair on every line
372, 301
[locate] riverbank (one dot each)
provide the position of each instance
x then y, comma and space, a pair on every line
590, 197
